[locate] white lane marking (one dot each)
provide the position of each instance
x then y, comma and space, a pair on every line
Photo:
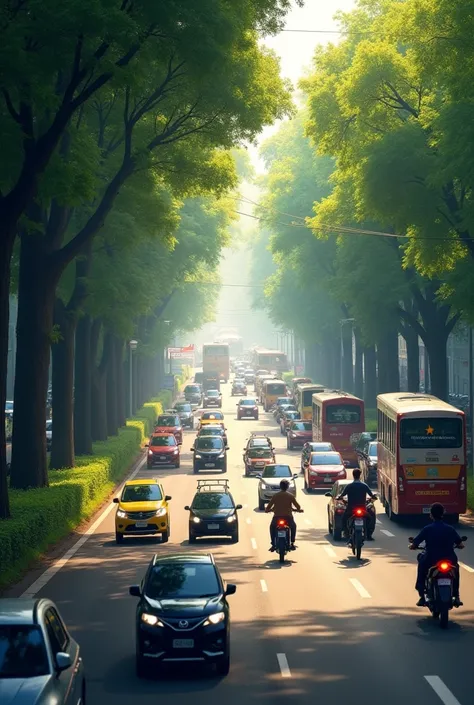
264, 586
246, 506
441, 690
466, 567
254, 544
284, 667
308, 521
360, 588
377, 521
61, 562
330, 551
248, 520
387, 533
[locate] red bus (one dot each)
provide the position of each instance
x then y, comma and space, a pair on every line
421, 454
339, 418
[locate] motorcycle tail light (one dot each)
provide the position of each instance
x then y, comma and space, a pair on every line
359, 512
281, 523
444, 566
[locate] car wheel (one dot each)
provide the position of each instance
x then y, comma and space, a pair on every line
195, 469
223, 665
141, 667
337, 533
165, 536
235, 536
261, 504
329, 524
149, 466
178, 464
224, 468
191, 539
256, 417
288, 445
118, 537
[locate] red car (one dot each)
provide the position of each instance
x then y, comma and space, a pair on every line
247, 408
163, 449
170, 423
323, 470
298, 434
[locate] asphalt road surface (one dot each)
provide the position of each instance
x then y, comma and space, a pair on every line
322, 628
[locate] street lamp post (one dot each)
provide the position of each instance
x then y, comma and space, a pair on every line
133, 346
341, 323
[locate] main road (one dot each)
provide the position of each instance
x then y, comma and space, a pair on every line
322, 628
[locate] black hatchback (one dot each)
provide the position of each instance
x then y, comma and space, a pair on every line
213, 511
210, 453
183, 613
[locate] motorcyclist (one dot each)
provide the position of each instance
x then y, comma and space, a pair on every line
281, 504
356, 493
440, 539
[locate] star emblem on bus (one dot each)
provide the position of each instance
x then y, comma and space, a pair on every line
430, 430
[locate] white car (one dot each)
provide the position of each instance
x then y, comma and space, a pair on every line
269, 483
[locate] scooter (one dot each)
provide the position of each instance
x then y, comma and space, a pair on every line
439, 588
358, 526
282, 537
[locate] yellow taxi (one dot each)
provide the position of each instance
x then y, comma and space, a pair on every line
142, 510
211, 417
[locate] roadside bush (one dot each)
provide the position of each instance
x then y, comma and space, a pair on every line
43, 516
470, 492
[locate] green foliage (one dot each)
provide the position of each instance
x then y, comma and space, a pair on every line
43, 516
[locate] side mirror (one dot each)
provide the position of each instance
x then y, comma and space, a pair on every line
306, 463
147, 445
63, 661
463, 538
187, 507
227, 448
116, 500
191, 448
411, 539
295, 476
231, 589
167, 498
327, 494
238, 506
259, 475
135, 591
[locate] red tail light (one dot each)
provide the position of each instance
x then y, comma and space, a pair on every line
281, 523
359, 512
444, 566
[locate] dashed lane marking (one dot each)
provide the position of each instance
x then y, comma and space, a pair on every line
330, 551
284, 667
441, 690
254, 544
308, 521
387, 533
466, 567
360, 588
377, 521
248, 520
263, 585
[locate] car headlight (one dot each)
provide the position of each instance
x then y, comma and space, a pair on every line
215, 618
152, 620
121, 514
196, 520
197, 456
222, 455
231, 518
161, 512
150, 452
176, 450
263, 486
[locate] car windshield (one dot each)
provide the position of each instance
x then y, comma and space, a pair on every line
372, 449
275, 388
290, 414
212, 500
239, 382
325, 459
277, 471
186, 580
260, 453
259, 442
247, 402
301, 426
212, 393
22, 652
209, 443
321, 447
283, 400
192, 389
141, 493
167, 421
183, 407
163, 441
211, 431
214, 416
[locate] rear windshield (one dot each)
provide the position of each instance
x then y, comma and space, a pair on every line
343, 413
212, 500
209, 443
141, 493
260, 453
212, 393
192, 389
431, 433
167, 421
308, 397
183, 407
248, 402
211, 431
277, 471
301, 426
182, 580
214, 415
275, 388
22, 652
163, 441
325, 459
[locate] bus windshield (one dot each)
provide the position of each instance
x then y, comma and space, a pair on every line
427, 432
342, 414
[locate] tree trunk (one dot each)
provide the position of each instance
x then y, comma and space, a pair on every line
6, 248
112, 391
62, 450
387, 358
160, 362
436, 346
370, 377
413, 358
310, 358
121, 413
82, 388
358, 370
426, 366
36, 290
333, 348
347, 366
99, 406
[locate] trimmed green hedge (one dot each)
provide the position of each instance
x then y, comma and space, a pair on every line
470, 491
371, 419
43, 516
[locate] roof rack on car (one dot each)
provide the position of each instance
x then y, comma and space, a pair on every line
212, 485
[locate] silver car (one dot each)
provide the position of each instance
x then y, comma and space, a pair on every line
269, 483
40, 663
185, 413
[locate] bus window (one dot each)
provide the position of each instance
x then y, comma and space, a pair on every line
343, 413
431, 432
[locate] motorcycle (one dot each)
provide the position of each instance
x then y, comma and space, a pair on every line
282, 537
439, 588
358, 529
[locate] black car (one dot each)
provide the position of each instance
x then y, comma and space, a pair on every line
185, 413
363, 441
238, 388
183, 613
193, 394
212, 397
247, 409
368, 462
210, 452
213, 511
336, 509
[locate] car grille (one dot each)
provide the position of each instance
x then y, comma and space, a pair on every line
140, 515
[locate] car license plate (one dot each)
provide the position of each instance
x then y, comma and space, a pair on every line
141, 524
210, 465
281, 534
162, 457
328, 479
183, 643
426, 510
359, 522
213, 526
444, 581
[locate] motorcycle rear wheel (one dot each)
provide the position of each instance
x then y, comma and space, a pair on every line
358, 544
444, 618
282, 549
